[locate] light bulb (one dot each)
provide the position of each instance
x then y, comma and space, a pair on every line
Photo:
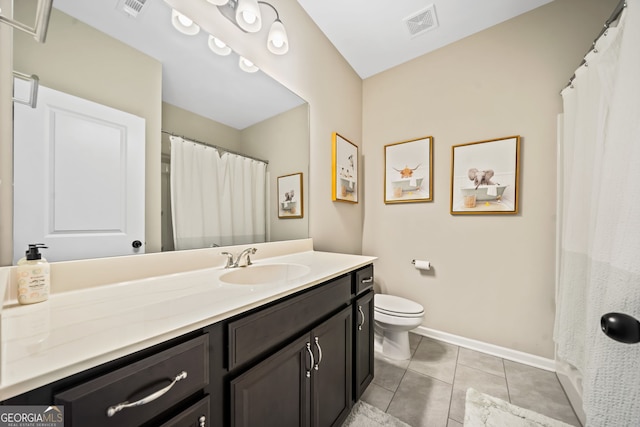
184, 24
277, 41
246, 65
218, 46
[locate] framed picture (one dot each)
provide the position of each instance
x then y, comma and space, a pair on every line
484, 177
408, 171
344, 186
290, 197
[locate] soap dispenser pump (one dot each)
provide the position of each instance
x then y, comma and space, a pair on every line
33, 276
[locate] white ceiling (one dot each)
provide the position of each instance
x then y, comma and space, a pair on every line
370, 34
373, 37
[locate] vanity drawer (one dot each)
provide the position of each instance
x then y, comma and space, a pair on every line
364, 279
198, 414
259, 332
164, 379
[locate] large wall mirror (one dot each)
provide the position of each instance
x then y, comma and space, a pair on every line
142, 66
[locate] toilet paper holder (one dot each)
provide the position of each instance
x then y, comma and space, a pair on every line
421, 264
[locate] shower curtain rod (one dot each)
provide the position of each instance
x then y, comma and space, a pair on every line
226, 150
616, 13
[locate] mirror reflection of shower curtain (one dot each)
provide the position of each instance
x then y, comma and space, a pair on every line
600, 222
216, 200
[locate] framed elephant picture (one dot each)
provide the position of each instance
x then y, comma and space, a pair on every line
485, 176
408, 171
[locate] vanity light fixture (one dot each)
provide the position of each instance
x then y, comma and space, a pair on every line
218, 46
246, 65
245, 14
184, 24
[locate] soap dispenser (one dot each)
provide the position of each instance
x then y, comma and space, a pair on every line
33, 276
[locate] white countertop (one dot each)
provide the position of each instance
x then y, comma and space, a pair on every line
77, 330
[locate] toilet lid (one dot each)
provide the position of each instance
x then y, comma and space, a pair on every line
394, 305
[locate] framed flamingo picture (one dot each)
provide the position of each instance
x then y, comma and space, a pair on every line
408, 169
344, 185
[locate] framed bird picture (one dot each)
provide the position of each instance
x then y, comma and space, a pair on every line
344, 185
408, 171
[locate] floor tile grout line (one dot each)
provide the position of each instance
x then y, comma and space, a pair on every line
453, 381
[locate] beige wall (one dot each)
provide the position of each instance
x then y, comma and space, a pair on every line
286, 134
314, 70
81, 61
493, 276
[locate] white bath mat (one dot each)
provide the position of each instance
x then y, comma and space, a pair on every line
482, 410
364, 415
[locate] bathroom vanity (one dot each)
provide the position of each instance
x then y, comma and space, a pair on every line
287, 341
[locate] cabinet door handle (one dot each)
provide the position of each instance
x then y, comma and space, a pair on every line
363, 318
312, 359
153, 396
319, 354
367, 280
202, 421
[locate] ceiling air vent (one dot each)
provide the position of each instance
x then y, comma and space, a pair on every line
422, 21
131, 7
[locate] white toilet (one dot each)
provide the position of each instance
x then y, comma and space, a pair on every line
394, 318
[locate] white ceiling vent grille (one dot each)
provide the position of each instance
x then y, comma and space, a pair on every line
422, 21
131, 7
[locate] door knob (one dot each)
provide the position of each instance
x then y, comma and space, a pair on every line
136, 244
621, 327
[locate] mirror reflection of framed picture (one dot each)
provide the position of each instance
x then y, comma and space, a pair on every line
408, 171
344, 186
290, 197
484, 177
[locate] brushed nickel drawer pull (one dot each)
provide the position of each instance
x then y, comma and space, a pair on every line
312, 359
363, 318
153, 396
367, 280
319, 354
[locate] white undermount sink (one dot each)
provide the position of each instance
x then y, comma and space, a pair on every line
265, 273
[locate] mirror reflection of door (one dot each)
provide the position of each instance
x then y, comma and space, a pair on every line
80, 189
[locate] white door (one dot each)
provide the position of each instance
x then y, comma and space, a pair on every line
78, 179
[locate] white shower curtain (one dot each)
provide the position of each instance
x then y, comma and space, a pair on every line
599, 257
216, 200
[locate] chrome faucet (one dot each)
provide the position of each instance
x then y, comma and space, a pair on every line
245, 253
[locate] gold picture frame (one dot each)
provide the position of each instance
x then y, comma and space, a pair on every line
344, 170
290, 196
408, 171
485, 177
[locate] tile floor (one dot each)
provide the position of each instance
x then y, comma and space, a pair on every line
429, 390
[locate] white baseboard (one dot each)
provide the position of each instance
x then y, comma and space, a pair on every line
494, 350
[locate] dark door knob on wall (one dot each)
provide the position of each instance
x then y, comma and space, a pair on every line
621, 327
136, 244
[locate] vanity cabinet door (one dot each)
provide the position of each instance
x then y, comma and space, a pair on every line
276, 391
363, 343
331, 378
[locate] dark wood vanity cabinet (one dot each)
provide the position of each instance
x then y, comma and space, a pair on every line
302, 360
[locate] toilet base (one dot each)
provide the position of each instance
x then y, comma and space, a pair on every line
392, 344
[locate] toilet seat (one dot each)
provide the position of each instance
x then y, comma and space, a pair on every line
396, 306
